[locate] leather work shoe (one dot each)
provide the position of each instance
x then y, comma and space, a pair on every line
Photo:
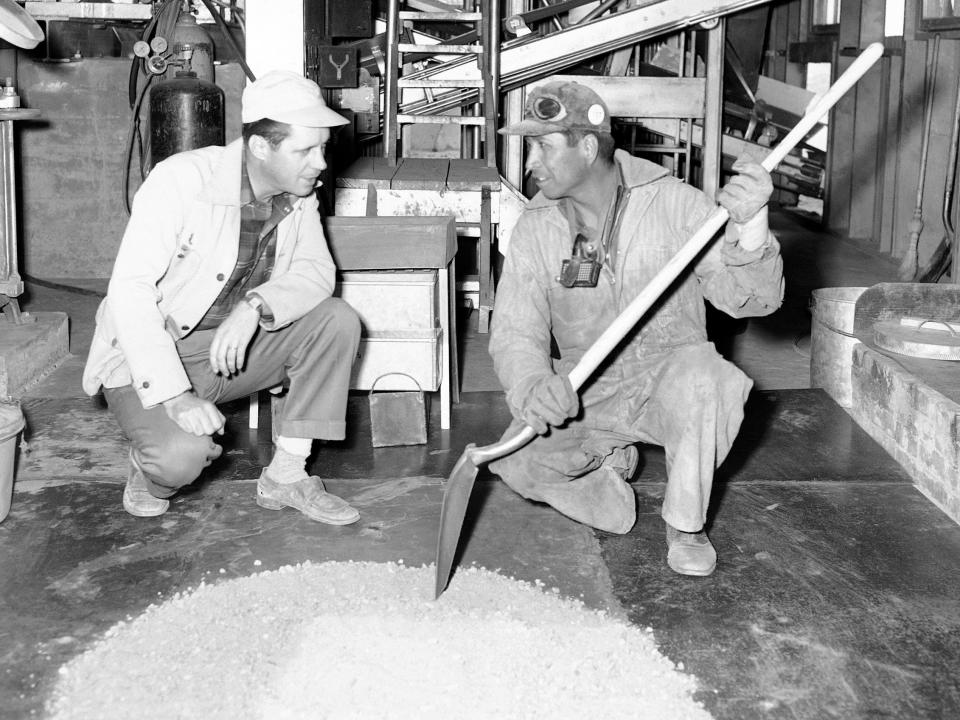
308, 496
690, 553
137, 500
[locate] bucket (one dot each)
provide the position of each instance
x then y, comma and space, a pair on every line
832, 341
397, 418
11, 423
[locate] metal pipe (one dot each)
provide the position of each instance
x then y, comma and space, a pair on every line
493, 96
390, 99
599, 10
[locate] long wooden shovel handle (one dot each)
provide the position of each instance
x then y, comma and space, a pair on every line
639, 306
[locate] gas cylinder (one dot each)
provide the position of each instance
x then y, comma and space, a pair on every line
192, 45
185, 113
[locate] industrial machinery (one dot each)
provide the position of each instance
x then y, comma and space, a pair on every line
20, 30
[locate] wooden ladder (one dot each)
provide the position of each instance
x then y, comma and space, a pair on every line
442, 91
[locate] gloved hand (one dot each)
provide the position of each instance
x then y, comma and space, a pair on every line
747, 192
550, 401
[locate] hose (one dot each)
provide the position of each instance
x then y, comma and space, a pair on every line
162, 24
132, 136
230, 39
30, 280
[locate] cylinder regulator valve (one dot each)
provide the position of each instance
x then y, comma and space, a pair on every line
8, 95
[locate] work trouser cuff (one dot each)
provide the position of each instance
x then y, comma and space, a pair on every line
316, 429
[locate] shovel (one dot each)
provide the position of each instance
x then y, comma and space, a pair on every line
457, 492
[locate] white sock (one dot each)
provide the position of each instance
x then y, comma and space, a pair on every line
290, 460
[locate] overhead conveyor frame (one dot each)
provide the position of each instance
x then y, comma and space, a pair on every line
527, 60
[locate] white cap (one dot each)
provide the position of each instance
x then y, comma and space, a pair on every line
289, 98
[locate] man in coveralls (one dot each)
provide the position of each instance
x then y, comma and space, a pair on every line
222, 287
603, 224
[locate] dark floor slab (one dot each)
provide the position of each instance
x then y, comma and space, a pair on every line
74, 563
792, 435
803, 435
830, 600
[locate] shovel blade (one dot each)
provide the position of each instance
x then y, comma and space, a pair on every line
456, 497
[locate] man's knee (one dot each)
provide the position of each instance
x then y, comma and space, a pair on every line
336, 320
705, 376
177, 460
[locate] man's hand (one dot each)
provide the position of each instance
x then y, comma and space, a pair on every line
748, 192
194, 415
229, 346
550, 401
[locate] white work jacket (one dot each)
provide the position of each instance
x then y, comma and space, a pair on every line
179, 248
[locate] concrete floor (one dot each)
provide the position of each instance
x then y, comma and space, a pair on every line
835, 594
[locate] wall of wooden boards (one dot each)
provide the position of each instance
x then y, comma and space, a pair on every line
876, 131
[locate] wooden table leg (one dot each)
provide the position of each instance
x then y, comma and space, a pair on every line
485, 305
449, 378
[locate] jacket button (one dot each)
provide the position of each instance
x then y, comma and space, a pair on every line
146, 384
184, 327
220, 277
113, 343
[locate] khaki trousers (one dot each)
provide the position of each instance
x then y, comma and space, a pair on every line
313, 356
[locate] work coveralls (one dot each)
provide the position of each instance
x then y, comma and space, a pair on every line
179, 249
665, 384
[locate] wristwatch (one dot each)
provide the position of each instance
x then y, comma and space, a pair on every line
254, 301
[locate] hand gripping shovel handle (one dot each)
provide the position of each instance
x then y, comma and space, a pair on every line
459, 485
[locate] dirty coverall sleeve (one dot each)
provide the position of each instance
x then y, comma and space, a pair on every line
741, 283
520, 332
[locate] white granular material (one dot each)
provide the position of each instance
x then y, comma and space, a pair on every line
367, 640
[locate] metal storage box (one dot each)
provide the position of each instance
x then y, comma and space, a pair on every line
414, 352
392, 300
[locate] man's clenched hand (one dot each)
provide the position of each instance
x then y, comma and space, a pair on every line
194, 415
550, 401
229, 346
747, 192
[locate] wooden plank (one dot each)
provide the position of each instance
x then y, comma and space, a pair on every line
795, 74
390, 243
421, 174
867, 140
817, 50
795, 100
87, 11
365, 171
464, 205
652, 97
713, 110
472, 174
910, 139
941, 127
840, 156
776, 61
887, 192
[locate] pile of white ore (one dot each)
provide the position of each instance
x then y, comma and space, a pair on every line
367, 640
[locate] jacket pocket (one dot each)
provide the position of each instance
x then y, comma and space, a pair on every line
184, 266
